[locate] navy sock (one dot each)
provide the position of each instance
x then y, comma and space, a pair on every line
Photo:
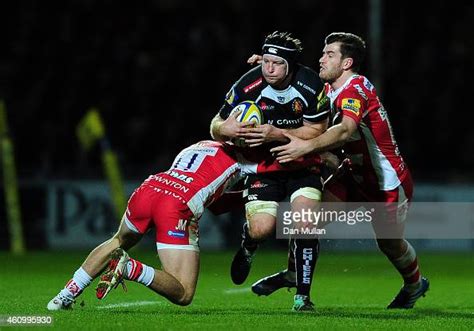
306, 255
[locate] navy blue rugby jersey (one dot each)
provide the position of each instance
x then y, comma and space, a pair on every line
303, 100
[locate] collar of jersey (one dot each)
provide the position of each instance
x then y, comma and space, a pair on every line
334, 93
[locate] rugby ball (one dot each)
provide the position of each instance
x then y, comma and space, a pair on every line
252, 113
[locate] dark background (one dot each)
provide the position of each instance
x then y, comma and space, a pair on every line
158, 72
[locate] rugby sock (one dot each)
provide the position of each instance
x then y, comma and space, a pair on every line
248, 243
306, 256
291, 269
80, 280
407, 266
139, 272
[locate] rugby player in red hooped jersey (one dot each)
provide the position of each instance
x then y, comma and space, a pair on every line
378, 172
172, 202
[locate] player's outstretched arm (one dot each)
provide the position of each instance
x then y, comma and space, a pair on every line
266, 133
309, 130
334, 137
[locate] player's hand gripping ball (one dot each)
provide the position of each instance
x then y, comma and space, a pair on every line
252, 113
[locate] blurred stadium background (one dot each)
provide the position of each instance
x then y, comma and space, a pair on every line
158, 71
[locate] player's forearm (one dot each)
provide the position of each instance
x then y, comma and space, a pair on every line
215, 129
301, 132
304, 132
334, 137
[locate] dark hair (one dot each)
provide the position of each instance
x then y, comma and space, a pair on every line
282, 44
352, 46
284, 39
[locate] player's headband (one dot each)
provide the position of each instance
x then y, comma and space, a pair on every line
287, 54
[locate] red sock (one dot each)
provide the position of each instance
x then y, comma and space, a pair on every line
407, 266
139, 272
134, 269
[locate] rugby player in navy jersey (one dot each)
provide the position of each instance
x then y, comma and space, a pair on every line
292, 100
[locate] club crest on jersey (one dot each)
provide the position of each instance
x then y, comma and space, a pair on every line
352, 105
297, 106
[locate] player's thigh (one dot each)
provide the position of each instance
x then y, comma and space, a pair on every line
264, 188
183, 265
261, 218
391, 214
305, 190
175, 225
177, 240
137, 218
127, 236
262, 196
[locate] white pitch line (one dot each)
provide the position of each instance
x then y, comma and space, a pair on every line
237, 290
130, 304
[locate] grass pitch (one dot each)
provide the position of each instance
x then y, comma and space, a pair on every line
350, 291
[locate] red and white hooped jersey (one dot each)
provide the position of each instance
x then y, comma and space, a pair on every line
202, 172
199, 173
376, 159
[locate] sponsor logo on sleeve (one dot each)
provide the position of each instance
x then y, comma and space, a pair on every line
306, 87
352, 105
361, 91
253, 85
368, 85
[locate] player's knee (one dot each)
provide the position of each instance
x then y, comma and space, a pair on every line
261, 227
186, 299
261, 216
